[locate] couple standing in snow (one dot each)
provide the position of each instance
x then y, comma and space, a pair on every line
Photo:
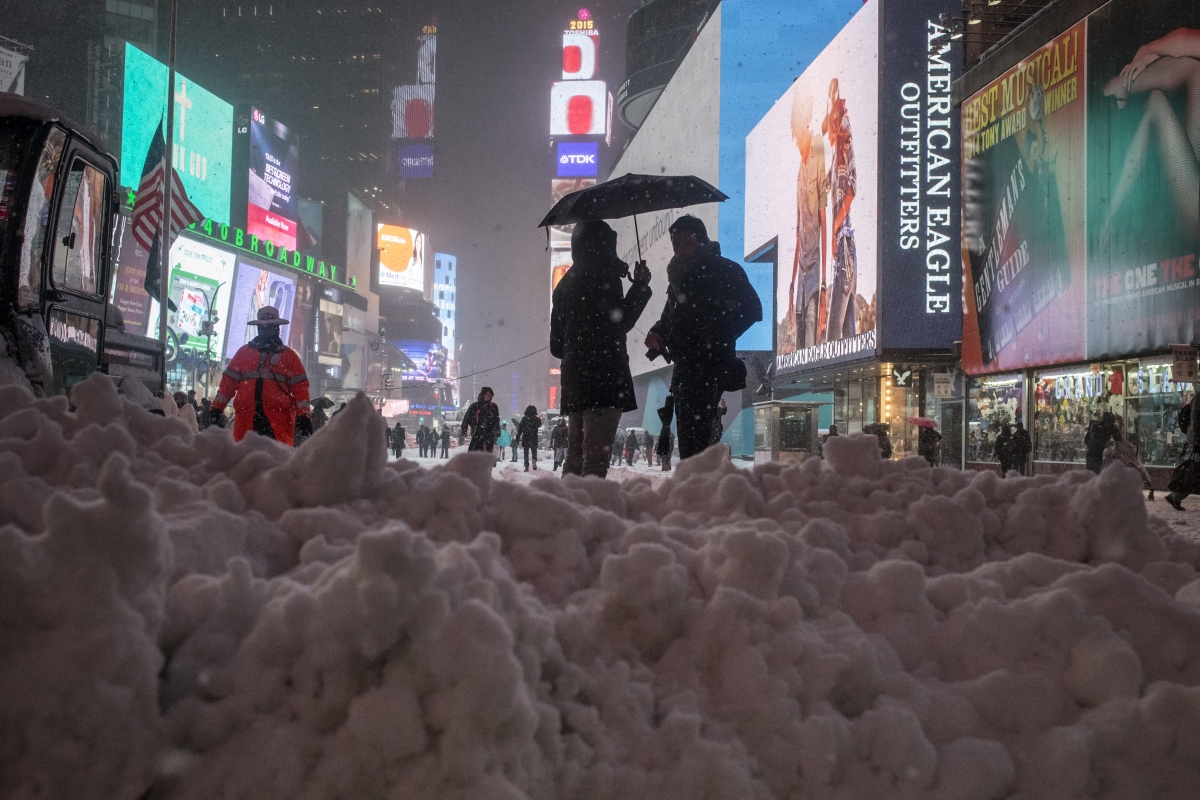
710, 303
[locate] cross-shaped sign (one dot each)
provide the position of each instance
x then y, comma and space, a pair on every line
184, 102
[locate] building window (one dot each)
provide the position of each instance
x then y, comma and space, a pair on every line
441, 295
445, 331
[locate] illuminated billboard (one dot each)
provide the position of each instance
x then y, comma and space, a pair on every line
847, 217
581, 54
429, 359
201, 277
560, 262
578, 108
274, 159
560, 235
578, 159
202, 151
255, 288
416, 161
412, 111
401, 257
812, 165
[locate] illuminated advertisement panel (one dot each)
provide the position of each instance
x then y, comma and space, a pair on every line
416, 161
274, 159
581, 55
429, 358
578, 108
812, 166
1023, 244
1143, 143
560, 262
201, 277
327, 335
412, 111
255, 288
202, 152
401, 257
578, 159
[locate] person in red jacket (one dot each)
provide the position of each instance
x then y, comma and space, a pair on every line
266, 381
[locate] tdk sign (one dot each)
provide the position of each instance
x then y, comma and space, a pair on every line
578, 159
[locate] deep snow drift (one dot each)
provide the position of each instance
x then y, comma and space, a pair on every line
244, 621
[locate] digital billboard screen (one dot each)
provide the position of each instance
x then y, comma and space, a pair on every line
202, 152
578, 108
429, 359
274, 159
255, 288
578, 159
581, 54
1143, 150
327, 335
412, 111
401, 257
812, 167
416, 161
200, 276
560, 235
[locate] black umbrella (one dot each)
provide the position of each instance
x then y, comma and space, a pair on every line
630, 195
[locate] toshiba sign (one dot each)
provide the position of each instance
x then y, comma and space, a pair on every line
578, 108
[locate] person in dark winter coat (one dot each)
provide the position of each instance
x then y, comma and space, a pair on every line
483, 419
928, 440
710, 303
590, 320
398, 441
527, 433
1004, 449
666, 440
1022, 447
558, 442
1097, 437
445, 441
631, 448
648, 448
516, 426
618, 448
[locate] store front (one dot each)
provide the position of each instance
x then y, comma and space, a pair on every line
1058, 404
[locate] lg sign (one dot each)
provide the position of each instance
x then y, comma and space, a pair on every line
578, 108
578, 160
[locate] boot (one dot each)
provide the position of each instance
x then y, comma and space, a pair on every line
527, 468
535, 466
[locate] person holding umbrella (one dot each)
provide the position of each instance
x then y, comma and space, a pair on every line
928, 439
710, 303
589, 322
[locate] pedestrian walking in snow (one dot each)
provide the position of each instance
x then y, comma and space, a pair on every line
710, 303
631, 448
1022, 447
445, 440
558, 442
928, 442
832, 432
666, 441
204, 418
591, 317
1097, 437
398, 441
267, 384
1004, 449
527, 431
648, 448
618, 449
516, 429
880, 431
1121, 450
1186, 478
504, 440
483, 420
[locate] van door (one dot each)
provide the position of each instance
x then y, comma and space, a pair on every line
75, 291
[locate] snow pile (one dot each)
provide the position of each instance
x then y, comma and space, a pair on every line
211, 620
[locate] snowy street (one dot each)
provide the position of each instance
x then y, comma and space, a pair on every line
247, 620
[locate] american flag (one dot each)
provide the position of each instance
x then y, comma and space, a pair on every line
148, 206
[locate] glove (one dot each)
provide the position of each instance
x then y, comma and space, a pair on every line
216, 416
304, 425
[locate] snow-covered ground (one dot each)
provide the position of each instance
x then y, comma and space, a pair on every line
183, 617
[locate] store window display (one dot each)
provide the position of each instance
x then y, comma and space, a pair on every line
992, 401
1066, 402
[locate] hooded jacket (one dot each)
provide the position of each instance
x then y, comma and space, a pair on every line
710, 303
527, 431
483, 418
590, 321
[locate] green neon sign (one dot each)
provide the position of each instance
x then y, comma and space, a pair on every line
267, 250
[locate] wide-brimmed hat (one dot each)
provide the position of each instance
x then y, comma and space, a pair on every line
268, 315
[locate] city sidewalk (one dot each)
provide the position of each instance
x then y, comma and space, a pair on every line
1186, 522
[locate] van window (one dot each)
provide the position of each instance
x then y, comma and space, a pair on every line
37, 219
79, 248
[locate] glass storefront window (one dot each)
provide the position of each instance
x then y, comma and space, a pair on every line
991, 401
1152, 408
1065, 403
